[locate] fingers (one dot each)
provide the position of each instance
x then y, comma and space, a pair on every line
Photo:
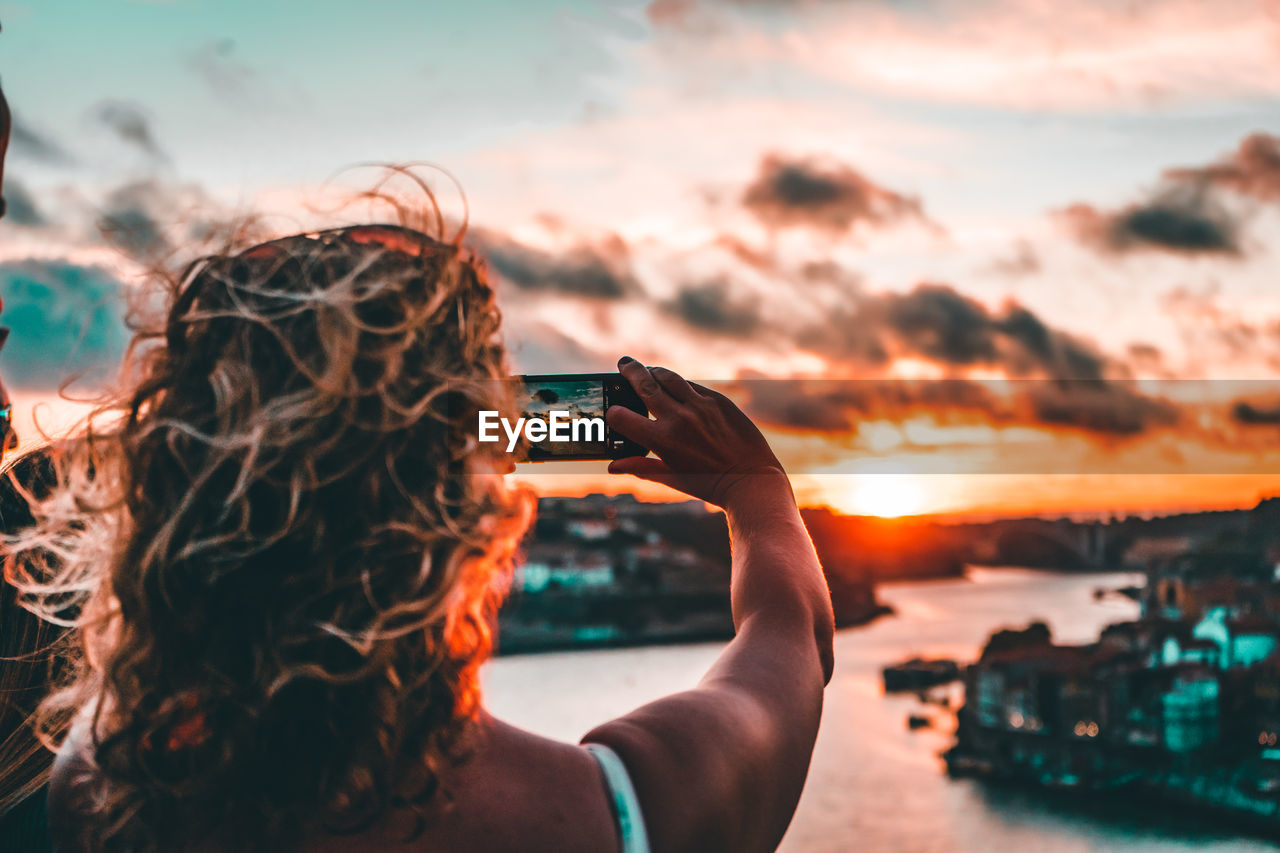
708, 392
674, 384
633, 425
646, 386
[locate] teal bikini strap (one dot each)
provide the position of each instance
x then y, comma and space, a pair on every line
632, 835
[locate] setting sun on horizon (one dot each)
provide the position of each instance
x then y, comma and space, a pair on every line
887, 496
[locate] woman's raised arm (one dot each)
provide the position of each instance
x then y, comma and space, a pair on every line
721, 767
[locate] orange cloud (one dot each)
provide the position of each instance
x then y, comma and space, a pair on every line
1022, 54
808, 191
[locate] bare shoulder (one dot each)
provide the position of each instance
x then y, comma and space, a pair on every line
515, 791
693, 758
527, 792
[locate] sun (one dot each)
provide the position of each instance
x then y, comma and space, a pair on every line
888, 496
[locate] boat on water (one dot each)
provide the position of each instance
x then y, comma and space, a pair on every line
919, 674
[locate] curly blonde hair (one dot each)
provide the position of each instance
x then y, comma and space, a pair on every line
283, 545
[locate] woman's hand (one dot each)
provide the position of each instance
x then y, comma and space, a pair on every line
706, 447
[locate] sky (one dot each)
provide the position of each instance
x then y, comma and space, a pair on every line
975, 199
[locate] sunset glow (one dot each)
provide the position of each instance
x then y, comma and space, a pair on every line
800, 197
887, 496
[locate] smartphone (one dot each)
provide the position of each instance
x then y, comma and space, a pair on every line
570, 408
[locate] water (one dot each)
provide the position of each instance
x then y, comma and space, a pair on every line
875, 786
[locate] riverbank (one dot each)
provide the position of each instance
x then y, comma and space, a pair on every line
1177, 704
553, 622
873, 784
1210, 797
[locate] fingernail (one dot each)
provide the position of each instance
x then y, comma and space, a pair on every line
626, 359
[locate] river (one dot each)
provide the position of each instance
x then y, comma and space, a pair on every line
875, 786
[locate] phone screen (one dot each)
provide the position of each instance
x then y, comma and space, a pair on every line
582, 402
573, 407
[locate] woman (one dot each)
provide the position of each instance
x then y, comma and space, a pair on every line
292, 545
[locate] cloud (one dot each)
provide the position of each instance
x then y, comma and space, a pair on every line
1209, 327
937, 322
1253, 169
1023, 260
1252, 414
1147, 358
670, 13
151, 218
1103, 408
538, 347
832, 405
826, 195
127, 220
20, 207
29, 143
758, 259
678, 12
712, 307
1187, 212
1069, 383
215, 63
1146, 353
1051, 351
132, 125
1093, 54
1059, 379
1099, 406
841, 338
599, 270
66, 320
1179, 219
